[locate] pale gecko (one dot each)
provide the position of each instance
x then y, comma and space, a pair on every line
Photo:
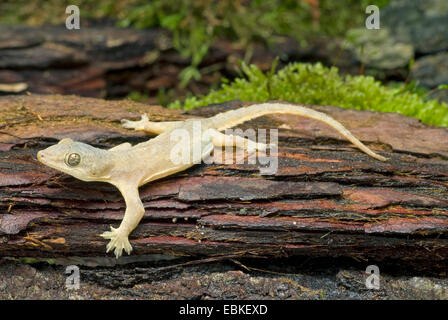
128, 167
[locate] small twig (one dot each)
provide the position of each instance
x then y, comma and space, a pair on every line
304, 289
261, 270
196, 262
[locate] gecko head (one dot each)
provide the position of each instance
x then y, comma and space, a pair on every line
77, 159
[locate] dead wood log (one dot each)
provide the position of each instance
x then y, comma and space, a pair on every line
326, 199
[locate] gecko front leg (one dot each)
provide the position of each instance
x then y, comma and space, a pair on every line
148, 126
134, 213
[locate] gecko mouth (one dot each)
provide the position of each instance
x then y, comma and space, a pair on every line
40, 156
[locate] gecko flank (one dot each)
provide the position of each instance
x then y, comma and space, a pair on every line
128, 167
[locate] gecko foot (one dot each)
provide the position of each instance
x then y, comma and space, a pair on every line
136, 125
253, 146
118, 241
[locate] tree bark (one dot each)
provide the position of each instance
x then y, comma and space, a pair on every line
326, 198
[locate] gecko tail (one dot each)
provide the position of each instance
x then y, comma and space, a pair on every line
234, 117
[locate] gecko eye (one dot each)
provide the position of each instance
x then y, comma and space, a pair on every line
72, 159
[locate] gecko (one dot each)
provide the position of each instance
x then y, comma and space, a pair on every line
127, 167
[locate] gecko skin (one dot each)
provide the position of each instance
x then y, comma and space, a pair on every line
128, 167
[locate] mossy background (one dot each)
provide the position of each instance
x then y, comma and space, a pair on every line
195, 25
316, 84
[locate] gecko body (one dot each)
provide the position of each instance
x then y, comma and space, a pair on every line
128, 167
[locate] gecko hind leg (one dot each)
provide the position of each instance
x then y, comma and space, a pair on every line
221, 140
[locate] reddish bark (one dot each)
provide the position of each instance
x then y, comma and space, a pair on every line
326, 199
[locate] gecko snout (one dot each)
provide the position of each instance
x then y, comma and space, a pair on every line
44, 157
40, 156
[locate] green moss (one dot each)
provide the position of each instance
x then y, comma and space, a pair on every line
31, 260
316, 84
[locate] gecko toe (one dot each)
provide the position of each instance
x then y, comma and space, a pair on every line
118, 251
136, 125
109, 247
261, 146
128, 124
127, 247
106, 235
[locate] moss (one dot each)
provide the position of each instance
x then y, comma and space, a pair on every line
316, 84
31, 260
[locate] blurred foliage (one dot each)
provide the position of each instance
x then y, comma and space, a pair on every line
319, 85
196, 24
